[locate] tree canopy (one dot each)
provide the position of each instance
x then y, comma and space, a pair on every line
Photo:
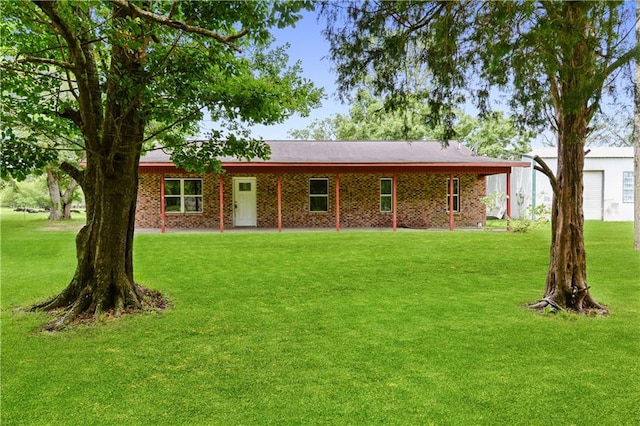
493, 135
471, 49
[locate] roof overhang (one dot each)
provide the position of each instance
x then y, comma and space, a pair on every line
336, 157
480, 168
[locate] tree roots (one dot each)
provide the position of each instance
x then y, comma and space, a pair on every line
586, 307
82, 309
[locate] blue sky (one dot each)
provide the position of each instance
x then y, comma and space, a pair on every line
309, 47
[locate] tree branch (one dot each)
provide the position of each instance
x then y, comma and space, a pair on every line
173, 8
423, 21
167, 128
546, 170
72, 115
51, 10
633, 53
74, 172
11, 67
168, 22
35, 60
66, 197
84, 70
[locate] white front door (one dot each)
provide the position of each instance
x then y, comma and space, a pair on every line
244, 201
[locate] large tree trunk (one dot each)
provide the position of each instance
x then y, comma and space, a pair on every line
566, 285
103, 281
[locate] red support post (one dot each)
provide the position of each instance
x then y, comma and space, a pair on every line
451, 202
221, 196
279, 203
394, 204
162, 211
337, 202
509, 200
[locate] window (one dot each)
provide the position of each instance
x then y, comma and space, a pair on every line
318, 195
456, 194
627, 187
183, 195
386, 196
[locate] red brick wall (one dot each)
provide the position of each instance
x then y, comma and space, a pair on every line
148, 208
421, 202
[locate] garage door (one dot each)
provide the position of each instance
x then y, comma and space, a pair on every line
592, 197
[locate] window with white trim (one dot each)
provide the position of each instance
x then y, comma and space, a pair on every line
182, 195
627, 187
318, 195
456, 194
386, 194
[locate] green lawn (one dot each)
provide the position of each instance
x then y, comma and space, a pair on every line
325, 328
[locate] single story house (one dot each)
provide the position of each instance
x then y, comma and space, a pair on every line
323, 184
608, 184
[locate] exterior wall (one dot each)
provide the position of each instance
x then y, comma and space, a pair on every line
148, 207
533, 188
613, 207
421, 202
360, 202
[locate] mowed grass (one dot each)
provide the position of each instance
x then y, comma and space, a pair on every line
326, 328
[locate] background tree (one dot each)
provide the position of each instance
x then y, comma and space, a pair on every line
553, 59
493, 135
614, 128
317, 130
21, 159
369, 119
61, 191
28, 194
99, 73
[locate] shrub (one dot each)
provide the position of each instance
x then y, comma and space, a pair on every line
541, 215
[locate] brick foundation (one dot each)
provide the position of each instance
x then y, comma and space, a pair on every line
421, 202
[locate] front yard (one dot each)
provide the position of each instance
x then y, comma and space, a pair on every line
325, 327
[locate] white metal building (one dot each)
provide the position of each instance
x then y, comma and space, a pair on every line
608, 184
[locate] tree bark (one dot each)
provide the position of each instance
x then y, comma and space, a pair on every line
103, 281
54, 195
60, 202
566, 285
636, 139
67, 199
